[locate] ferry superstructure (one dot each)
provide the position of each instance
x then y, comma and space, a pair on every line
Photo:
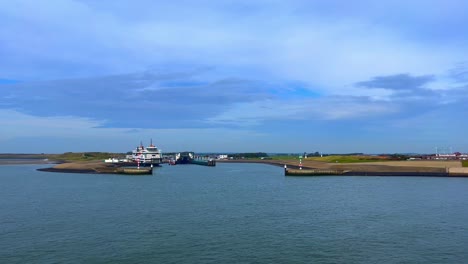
148, 155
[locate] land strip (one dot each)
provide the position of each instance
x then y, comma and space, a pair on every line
388, 168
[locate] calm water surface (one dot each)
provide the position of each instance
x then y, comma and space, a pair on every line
232, 213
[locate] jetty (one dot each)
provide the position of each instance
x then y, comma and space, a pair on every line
98, 167
135, 171
389, 171
313, 172
210, 163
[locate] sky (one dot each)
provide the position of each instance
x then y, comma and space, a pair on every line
234, 76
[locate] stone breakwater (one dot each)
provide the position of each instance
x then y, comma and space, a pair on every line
96, 167
457, 171
390, 168
308, 172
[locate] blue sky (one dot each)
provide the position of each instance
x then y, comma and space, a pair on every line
235, 76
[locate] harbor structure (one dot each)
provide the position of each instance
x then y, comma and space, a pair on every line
189, 157
184, 157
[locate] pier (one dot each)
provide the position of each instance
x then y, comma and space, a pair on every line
135, 171
210, 162
314, 172
120, 169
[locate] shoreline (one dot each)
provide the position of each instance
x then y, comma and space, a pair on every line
93, 167
52, 169
403, 168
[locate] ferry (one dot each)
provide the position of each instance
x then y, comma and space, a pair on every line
150, 155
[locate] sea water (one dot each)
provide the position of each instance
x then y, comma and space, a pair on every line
231, 213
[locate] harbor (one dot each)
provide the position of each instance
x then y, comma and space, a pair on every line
401, 168
142, 160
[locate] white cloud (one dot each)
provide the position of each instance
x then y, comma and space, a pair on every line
327, 108
16, 124
80, 134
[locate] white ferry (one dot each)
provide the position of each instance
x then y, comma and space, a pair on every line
148, 155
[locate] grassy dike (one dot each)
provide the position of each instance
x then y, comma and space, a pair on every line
81, 162
83, 156
65, 157
348, 159
336, 158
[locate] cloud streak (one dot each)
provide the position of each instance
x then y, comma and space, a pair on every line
398, 82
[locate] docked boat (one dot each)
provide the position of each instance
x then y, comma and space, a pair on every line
149, 155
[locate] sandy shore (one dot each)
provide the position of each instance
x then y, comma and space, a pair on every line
82, 167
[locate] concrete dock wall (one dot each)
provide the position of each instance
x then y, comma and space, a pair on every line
463, 171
